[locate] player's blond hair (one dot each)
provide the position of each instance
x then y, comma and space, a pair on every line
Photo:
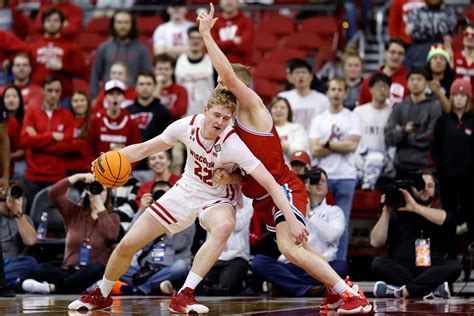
243, 73
224, 98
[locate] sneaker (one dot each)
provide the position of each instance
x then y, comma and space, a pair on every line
166, 288
440, 292
333, 300
185, 303
354, 304
33, 286
384, 290
91, 300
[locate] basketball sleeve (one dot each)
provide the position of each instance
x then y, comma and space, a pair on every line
176, 131
236, 151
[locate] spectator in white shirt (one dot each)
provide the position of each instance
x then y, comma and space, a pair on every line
326, 225
172, 37
305, 103
372, 154
334, 137
293, 136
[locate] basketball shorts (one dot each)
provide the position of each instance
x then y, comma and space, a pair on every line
297, 196
178, 208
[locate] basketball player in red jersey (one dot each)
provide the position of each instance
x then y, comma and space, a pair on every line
255, 127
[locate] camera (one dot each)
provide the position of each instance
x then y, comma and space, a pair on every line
15, 192
94, 187
394, 197
314, 175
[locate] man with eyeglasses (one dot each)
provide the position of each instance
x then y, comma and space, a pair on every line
394, 69
464, 59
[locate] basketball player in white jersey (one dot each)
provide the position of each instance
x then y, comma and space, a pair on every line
211, 144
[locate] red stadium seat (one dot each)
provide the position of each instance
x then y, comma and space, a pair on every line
148, 24
266, 89
283, 54
304, 41
99, 25
366, 203
270, 71
278, 26
89, 41
321, 25
80, 85
265, 42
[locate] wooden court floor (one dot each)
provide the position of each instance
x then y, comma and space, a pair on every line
53, 305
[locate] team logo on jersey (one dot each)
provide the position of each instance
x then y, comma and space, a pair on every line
217, 148
142, 119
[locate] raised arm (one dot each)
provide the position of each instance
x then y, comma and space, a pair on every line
137, 152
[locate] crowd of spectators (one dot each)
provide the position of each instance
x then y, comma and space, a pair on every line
412, 116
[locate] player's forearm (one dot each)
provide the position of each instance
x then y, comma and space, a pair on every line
218, 59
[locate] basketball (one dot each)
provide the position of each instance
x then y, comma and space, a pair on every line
112, 169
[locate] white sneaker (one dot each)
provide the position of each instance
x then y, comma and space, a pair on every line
33, 286
166, 287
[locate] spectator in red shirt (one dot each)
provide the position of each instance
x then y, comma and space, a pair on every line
173, 96
113, 129
398, 15
160, 164
46, 135
52, 55
79, 160
464, 60
32, 93
11, 45
394, 69
118, 71
13, 103
73, 16
234, 33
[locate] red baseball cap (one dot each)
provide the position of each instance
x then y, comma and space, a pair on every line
300, 156
461, 86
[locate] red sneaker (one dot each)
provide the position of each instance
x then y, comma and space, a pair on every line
91, 300
185, 303
354, 304
333, 300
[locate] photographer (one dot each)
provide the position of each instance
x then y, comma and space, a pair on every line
164, 262
16, 233
418, 238
92, 229
326, 226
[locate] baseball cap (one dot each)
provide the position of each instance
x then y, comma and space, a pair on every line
300, 156
461, 86
114, 85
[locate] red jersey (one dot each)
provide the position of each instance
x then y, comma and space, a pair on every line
398, 15
398, 89
11, 45
130, 95
226, 30
106, 134
267, 148
79, 160
175, 99
44, 49
44, 155
462, 68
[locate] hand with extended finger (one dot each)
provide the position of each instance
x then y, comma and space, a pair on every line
206, 20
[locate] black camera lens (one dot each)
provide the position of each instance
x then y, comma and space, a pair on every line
158, 194
16, 191
96, 188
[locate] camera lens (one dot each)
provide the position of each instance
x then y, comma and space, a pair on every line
96, 188
16, 191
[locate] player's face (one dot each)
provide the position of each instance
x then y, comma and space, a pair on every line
438, 63
336, 92
221, 84
52, 93
353, 68
79, 104
21, 68
118, 72
301, 78
145, 87
159, 162
217, 119
394, 56
11, 99
52, 24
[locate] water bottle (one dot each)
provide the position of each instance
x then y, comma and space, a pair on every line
42, 227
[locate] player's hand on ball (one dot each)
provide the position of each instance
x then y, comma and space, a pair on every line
298, 231
221, 177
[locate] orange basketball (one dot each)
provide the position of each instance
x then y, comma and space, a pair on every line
112, 169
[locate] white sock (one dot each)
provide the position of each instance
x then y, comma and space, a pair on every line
341, 287
106, 286
191, 281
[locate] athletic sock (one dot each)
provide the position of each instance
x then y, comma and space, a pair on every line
106, 286
341, 287
191, 281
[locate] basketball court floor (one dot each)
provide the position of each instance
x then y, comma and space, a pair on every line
53, 305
